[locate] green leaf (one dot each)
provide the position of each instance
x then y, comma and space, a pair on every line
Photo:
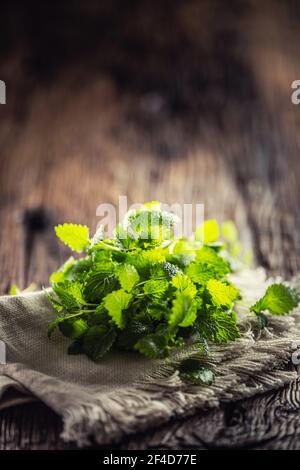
197, 338
158, 310
65, 297
60, 275
208, 265
222, 294
70, 296
99, 282
51, 327
98, 340
278, 299
55, 303
79, 269
156, 288
154, 255
56, 277
70, 325
201, 273
14, 290
153, 205
128, 277
74, 235
190, 317
208, 255
218, 326
151, 223
229, 231
146, 227
75, 289
193, 371
157, 271
134, 330
184, 285
208, 232
115, 303
184, 311
154, 346
72, 328
76, 347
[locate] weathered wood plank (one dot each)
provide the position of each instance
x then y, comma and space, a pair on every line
206, 118
266, 421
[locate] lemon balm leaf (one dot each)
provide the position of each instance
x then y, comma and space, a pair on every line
153, 346
218, 326
115, 303
128, 276
75, 236
208, 232
73, 329
156, 288
98, 340
193, 371
184, 285
278, 300
14, 290
184, 311
222, 294
208, 265
229, 231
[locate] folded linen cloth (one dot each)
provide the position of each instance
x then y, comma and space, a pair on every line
127, 393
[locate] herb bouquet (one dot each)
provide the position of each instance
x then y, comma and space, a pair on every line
149, 292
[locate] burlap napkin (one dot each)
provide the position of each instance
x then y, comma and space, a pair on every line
127, 393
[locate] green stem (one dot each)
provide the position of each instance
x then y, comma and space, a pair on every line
81, 312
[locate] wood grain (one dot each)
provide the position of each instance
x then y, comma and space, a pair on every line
176, 105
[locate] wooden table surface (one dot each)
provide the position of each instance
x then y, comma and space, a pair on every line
182, 102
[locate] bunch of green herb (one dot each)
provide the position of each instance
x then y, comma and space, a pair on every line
146, 291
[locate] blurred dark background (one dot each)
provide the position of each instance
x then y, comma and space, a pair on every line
182, 101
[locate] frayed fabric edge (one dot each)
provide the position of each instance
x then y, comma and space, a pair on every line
262, 366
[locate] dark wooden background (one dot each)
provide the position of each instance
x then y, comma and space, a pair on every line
181, 101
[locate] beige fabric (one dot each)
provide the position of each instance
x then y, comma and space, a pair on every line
127, 393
